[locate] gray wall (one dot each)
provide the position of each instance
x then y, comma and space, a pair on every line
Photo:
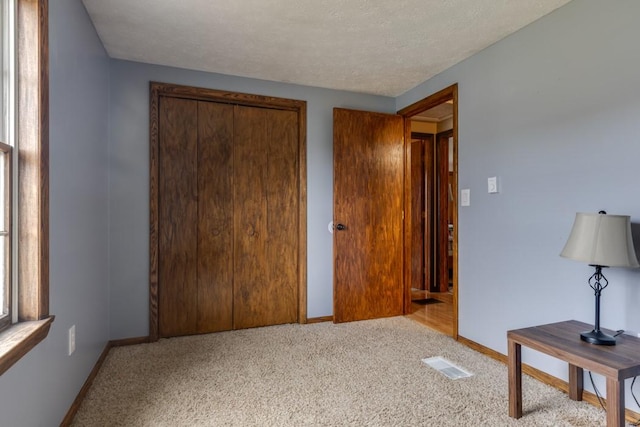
553, 112
129, 181
40, 388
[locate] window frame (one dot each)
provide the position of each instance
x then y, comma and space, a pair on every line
7, 133
7, 232
32, 132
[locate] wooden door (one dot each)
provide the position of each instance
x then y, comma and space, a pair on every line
265, 217
195, 209
214, 305
228, 216
368, 194
178, 216
227, 240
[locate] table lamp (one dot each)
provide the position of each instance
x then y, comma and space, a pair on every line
601, 241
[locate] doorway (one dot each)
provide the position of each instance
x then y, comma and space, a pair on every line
431, 285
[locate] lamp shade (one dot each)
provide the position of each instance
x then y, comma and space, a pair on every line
601, 239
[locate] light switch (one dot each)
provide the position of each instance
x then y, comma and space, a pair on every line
492, 184
465, 197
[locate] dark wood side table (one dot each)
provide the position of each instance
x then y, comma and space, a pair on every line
562, 340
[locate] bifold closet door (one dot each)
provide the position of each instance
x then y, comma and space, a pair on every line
215, 217
228, 217
265, 217
195, 216
177, 216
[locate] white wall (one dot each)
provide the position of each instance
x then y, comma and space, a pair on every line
129, 165
553, 112
39, 389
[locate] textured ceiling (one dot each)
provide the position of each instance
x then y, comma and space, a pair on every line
383, 47
436, 114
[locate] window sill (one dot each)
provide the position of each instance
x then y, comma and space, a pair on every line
17, 340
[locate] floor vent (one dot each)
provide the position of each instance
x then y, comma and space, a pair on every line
447, 368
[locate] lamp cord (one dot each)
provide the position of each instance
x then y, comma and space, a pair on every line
593, 384
637, 423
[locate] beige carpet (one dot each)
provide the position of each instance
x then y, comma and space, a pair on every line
357, 374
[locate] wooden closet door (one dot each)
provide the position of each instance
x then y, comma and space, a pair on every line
265, 217
177, 216
215, 217
228, 217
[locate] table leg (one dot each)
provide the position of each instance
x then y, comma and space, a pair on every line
615, 403
575, 382
515, 379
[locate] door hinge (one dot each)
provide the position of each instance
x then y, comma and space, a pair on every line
403, 215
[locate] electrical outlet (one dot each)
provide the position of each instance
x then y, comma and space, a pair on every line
72, 339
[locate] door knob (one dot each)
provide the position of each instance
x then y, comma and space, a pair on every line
341, 227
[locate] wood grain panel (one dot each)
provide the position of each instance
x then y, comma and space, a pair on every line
454, 94
33, 159
562, 340
515, 379
615, 403
368, 199
430, 241
234, 98
421, 212
20, 338
296, 109
178, 216
265, 217
282, 218
215, 217
442, 217
320, 319
417, 214
154, 225
408, 224
302, 212
437, 316
576, 382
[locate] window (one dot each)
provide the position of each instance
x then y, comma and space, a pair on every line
24, 150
